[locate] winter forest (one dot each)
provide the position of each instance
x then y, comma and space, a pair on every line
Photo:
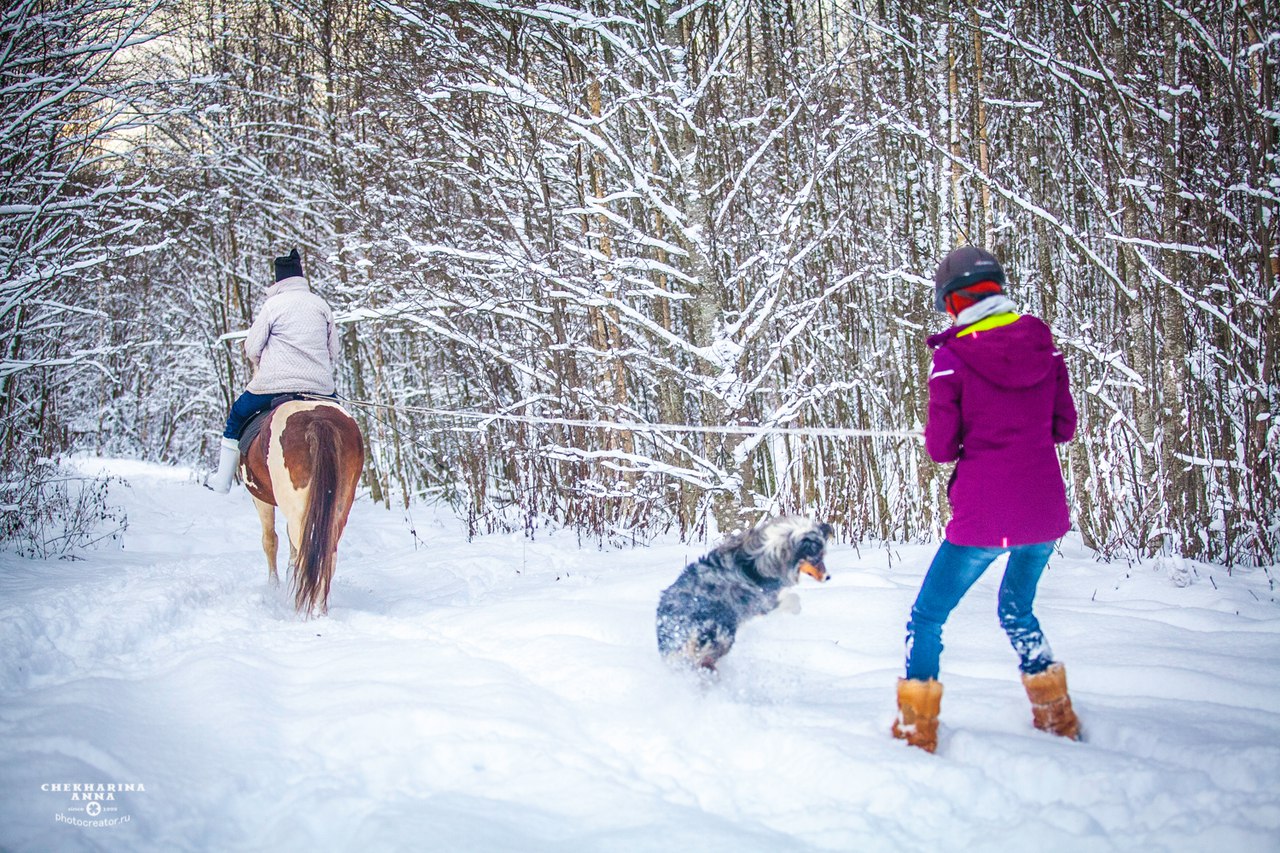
634, 267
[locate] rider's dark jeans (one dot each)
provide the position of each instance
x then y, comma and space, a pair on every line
247, 405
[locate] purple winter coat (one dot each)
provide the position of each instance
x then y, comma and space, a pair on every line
998, 402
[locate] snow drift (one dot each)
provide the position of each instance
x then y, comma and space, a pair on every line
506, 694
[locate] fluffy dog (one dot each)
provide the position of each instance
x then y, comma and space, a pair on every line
699, 614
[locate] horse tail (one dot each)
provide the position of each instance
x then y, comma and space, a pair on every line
323, 518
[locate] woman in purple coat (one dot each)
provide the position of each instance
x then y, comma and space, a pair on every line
998, 403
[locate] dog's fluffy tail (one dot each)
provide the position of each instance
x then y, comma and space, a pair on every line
696, 639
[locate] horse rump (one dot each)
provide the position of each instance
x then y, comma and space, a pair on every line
336, 456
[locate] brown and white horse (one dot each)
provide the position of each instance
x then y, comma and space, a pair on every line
306, 460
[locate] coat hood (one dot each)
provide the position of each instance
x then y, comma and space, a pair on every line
1018, 355
293, 284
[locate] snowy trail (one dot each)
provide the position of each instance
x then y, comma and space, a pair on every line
504, 694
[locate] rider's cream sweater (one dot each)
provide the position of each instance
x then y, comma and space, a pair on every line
293, 343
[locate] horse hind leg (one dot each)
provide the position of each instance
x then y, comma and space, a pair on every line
294, 528
270, 541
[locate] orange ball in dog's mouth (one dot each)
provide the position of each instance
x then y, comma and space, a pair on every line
817, 571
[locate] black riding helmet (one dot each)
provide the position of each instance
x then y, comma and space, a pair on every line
964, 267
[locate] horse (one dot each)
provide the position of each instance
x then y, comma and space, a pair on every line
306, 460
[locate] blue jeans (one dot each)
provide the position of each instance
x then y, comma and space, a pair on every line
247, 405
955, 568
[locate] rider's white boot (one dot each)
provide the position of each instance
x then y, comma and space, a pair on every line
228, 459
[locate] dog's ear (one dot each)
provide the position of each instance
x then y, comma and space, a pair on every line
826, 529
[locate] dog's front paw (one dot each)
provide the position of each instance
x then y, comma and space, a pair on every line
789, 602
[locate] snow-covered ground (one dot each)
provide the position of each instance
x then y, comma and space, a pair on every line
505, 694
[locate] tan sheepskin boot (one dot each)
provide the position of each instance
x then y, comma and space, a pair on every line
1050, 705
918, 706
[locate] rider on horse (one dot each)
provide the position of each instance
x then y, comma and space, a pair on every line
293, 345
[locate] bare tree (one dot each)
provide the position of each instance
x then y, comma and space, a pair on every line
632, 265
67, 213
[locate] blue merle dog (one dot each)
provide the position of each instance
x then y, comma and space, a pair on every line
699, 614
